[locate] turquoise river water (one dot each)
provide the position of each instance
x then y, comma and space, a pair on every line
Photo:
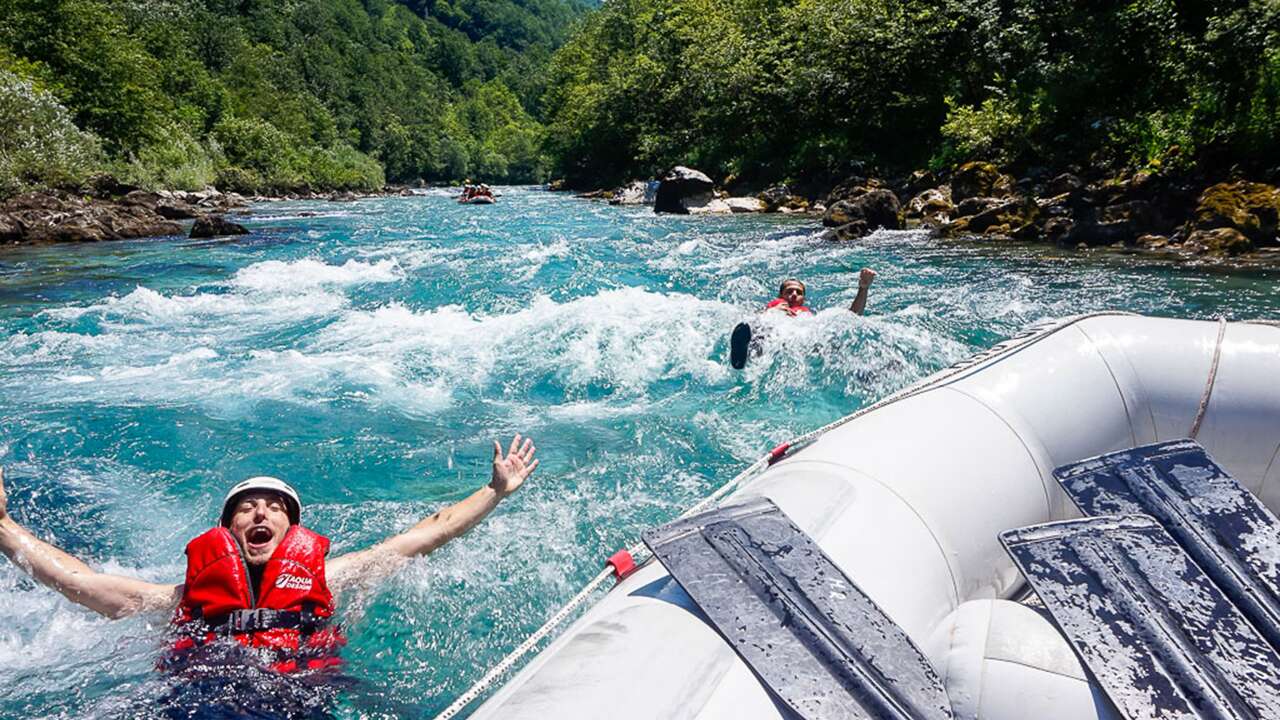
369, 352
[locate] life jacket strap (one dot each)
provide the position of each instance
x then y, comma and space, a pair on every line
248, 621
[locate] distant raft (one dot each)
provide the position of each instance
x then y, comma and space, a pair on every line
478, 200
909, 500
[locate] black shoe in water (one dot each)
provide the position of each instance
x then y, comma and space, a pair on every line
739, 342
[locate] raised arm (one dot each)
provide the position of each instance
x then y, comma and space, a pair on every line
376, 563
865, 278
111, 595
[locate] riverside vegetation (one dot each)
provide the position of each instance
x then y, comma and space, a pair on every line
265, 96
1151, 111
1149, 123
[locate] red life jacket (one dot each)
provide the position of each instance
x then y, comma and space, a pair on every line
288, 613
781, 302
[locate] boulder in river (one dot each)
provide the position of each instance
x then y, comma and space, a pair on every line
682, 188
852, 188
1252, 209
216, 226
979, 179
879, 208
931, 208
636, 192
778, 198
848, 231
1006, 218
1219, 241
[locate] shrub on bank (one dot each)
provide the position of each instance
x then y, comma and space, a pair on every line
174, 161
342, 167
40, 145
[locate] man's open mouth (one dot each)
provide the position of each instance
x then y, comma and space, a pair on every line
258, 536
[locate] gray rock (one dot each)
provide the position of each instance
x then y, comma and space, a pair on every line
636, 192
707, 204
1064, 183
976, 205
172, 210
779, 198
745, 204
216, 226
849, 231
931, 207
879, 208
678, 186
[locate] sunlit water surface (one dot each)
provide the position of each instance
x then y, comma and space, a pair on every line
369, 352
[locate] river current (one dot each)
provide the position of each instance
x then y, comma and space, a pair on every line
369, 353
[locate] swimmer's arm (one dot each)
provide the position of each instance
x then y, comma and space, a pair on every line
111, 595
865, 278
381, 560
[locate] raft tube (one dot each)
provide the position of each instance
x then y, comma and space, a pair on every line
908, 500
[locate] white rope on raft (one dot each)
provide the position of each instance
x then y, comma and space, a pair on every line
1213, 377
1022, 340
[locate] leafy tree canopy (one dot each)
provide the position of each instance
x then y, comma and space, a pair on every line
270, 95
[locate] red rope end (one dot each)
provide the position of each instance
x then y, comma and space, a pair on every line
777, 453
623, 564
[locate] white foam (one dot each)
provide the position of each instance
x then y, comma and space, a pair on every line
279, 276
182, 312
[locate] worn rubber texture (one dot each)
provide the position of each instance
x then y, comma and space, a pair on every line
739, 344
816, 641
1160, 638
1230, 534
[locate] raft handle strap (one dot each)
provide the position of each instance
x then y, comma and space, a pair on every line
1213, 376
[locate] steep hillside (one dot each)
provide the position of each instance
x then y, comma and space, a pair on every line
271, 95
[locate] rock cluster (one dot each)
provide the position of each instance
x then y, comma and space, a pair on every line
686, 191
860, 206
56, 216
1142, 210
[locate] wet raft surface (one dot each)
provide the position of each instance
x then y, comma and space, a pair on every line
820, 645
1155, 632
1229, 533
1168, 593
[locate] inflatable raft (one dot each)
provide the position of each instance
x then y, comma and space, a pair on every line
909, 497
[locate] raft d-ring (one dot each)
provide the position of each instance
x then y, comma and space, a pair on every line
622, 563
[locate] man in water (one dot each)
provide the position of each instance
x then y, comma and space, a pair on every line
260, 578
790, 300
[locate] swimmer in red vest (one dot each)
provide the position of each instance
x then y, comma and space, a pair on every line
259, 577
791, 295
791, 301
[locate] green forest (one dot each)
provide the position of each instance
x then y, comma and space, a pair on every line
274, 95
266, 96
816, 89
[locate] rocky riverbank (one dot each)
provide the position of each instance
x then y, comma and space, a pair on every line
1229, 219
109, 211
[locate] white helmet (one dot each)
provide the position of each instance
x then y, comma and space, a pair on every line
263, 483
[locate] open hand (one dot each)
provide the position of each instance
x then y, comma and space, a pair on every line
509, 472
866, 277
